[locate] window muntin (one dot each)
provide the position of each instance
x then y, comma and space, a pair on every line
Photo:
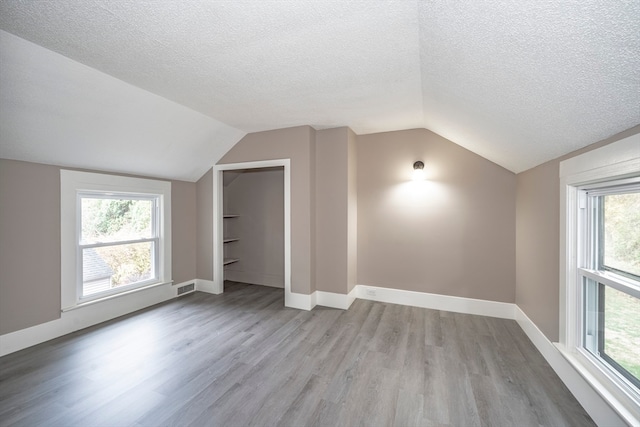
118, 243
609, 273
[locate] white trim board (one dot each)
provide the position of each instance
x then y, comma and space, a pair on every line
479, 307
333, 300
83, 317
591, 401
299, 301
207, 286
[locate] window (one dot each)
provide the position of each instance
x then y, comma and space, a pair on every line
115, 233
609, 272
118, 242
600, 271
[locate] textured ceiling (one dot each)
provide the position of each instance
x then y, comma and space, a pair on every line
516, 82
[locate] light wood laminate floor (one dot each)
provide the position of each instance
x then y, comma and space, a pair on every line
242, 359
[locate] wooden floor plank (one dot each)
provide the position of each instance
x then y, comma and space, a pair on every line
242, 358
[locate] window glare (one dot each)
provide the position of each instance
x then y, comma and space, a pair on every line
111, 220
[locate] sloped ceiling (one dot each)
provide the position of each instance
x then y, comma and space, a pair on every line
516, 82
57, 111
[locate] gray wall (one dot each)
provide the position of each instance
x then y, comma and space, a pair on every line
204, 219
538, 240
30, 242
453, 234
183, 231
352, 206
332, 204
296, 144
256, 195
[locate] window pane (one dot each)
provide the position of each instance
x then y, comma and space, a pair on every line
111, 220
108, 267
591, 314
622, 232
622, 329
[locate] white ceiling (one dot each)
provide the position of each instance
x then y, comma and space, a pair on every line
57, 111
516, 82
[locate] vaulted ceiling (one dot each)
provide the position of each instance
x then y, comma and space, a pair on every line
166, 87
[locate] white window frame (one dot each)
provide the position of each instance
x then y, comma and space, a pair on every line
73, 184
613, 162
590, 269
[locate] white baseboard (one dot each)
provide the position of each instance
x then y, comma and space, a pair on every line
597, 407
480, 307
333, 300
209, 286
83, 317
299, 301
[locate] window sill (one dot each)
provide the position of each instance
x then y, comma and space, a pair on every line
112, 296
623, 405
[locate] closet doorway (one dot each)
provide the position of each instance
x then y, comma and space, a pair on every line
252, 224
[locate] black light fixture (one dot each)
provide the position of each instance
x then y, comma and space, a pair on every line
418, 170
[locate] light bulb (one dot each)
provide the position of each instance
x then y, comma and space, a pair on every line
418, 171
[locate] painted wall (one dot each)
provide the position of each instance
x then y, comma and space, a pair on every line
452, 234
331, 210
335, 210
296, 144
30, 242
352, 214
204, 220
538, 240
183, 231
257, 195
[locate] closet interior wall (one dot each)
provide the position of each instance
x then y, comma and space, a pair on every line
257, 197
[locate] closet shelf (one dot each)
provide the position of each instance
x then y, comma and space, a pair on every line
228, 261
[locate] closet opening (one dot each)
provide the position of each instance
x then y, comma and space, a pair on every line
252, 224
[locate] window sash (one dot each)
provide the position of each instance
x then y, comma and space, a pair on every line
117, 243
595, 213
592, 342
155, 240
153, 198
613, 280
591, 258
591, 268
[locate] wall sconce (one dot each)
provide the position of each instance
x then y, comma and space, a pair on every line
418, 171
